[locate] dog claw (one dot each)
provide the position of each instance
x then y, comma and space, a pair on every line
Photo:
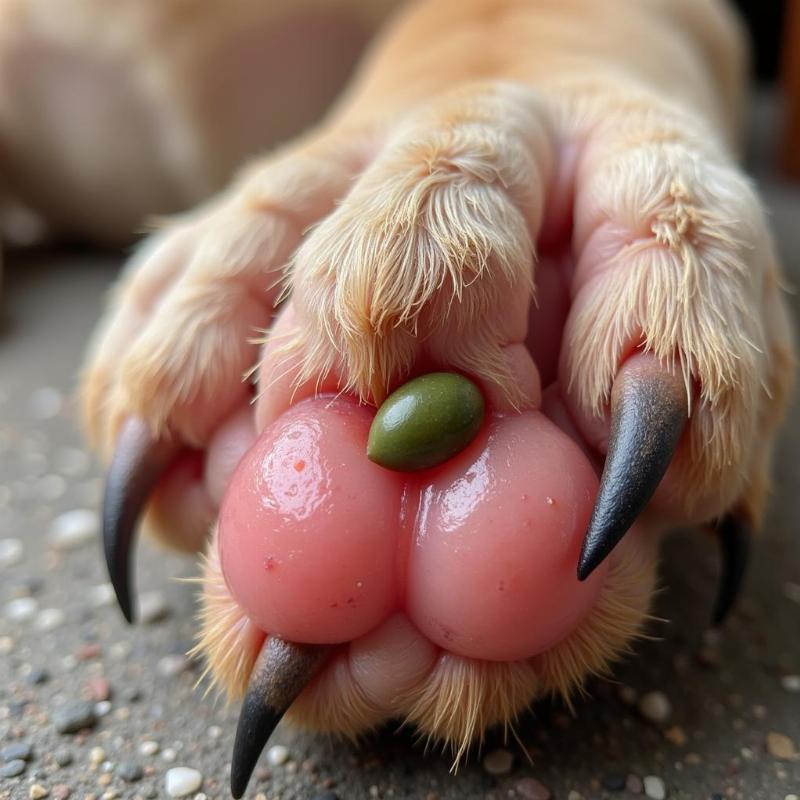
649, 410
283, 669
138, 462
733, 534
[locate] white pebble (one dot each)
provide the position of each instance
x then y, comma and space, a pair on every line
102, 708
74, 529
181, 781
102, 595
215, 732
654, 787
46, 403
149, 748
169, 755
791, 683
152, 607
6, 645
49, 619
120, 650
22, 609
498, 762
169, 666
655, 706
277, 755
10, 552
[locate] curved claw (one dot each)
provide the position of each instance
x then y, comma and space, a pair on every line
649, 410
733, 534
138, 462
282, 671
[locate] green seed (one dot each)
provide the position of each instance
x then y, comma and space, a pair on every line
425, 422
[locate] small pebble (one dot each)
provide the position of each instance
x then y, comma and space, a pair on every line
655, 707
131, 694
74, 716
615, 782
102, 595
37, 792
21, 610
531, 789
16, 750
74, 529
277, 755
61, 791
169, 755
62, 757
152, 607
791, 683
37, 676
149, 748
98, 689
103, 708
48, 619
172, 665
654, 787
130, 772
11, 552
12, 768
97, 755
181, 781
633, 784
6, 645
676, 735
780, 746
498, 762
86, 652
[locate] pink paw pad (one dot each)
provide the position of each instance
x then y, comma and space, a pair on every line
320, 545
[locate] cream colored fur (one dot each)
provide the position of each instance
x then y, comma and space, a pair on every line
404, 224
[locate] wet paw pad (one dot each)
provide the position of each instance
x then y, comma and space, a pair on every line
318, 544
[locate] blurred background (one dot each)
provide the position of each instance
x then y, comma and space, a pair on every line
711, 715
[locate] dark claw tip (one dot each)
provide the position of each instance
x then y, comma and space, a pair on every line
648, 414
283, 669
733, 534
138, 462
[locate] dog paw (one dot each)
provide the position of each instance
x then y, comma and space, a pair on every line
604, 274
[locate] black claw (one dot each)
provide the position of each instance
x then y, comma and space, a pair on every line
139, 461
733, 534
648, 413
282, 671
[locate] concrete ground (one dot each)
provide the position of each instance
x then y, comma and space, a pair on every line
734, 725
